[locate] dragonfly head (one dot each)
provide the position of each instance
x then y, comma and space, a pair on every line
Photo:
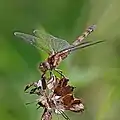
44, 66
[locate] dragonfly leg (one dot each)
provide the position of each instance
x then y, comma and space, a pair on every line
60, 72
43, 75
51, 74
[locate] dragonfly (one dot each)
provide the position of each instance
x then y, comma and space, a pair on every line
57, 49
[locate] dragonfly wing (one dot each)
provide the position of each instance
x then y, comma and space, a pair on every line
75, 46
56, 44
85, 44
35, 41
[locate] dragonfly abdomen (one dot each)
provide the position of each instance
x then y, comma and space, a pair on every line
85, 34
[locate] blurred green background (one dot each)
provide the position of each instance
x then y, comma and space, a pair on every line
94, 71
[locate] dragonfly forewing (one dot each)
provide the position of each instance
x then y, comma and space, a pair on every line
35, 41
44, 41
56, 44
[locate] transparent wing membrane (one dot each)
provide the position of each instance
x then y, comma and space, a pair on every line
81, 45
44, 41
84, 45
55, 44
35, 41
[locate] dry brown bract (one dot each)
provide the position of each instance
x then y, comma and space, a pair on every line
56, 96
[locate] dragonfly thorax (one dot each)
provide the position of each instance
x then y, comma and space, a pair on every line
51, 63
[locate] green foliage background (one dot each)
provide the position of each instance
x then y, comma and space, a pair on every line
94, 71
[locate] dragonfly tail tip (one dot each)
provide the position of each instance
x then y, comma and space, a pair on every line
93, 27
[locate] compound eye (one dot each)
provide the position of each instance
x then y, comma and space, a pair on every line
41, 65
